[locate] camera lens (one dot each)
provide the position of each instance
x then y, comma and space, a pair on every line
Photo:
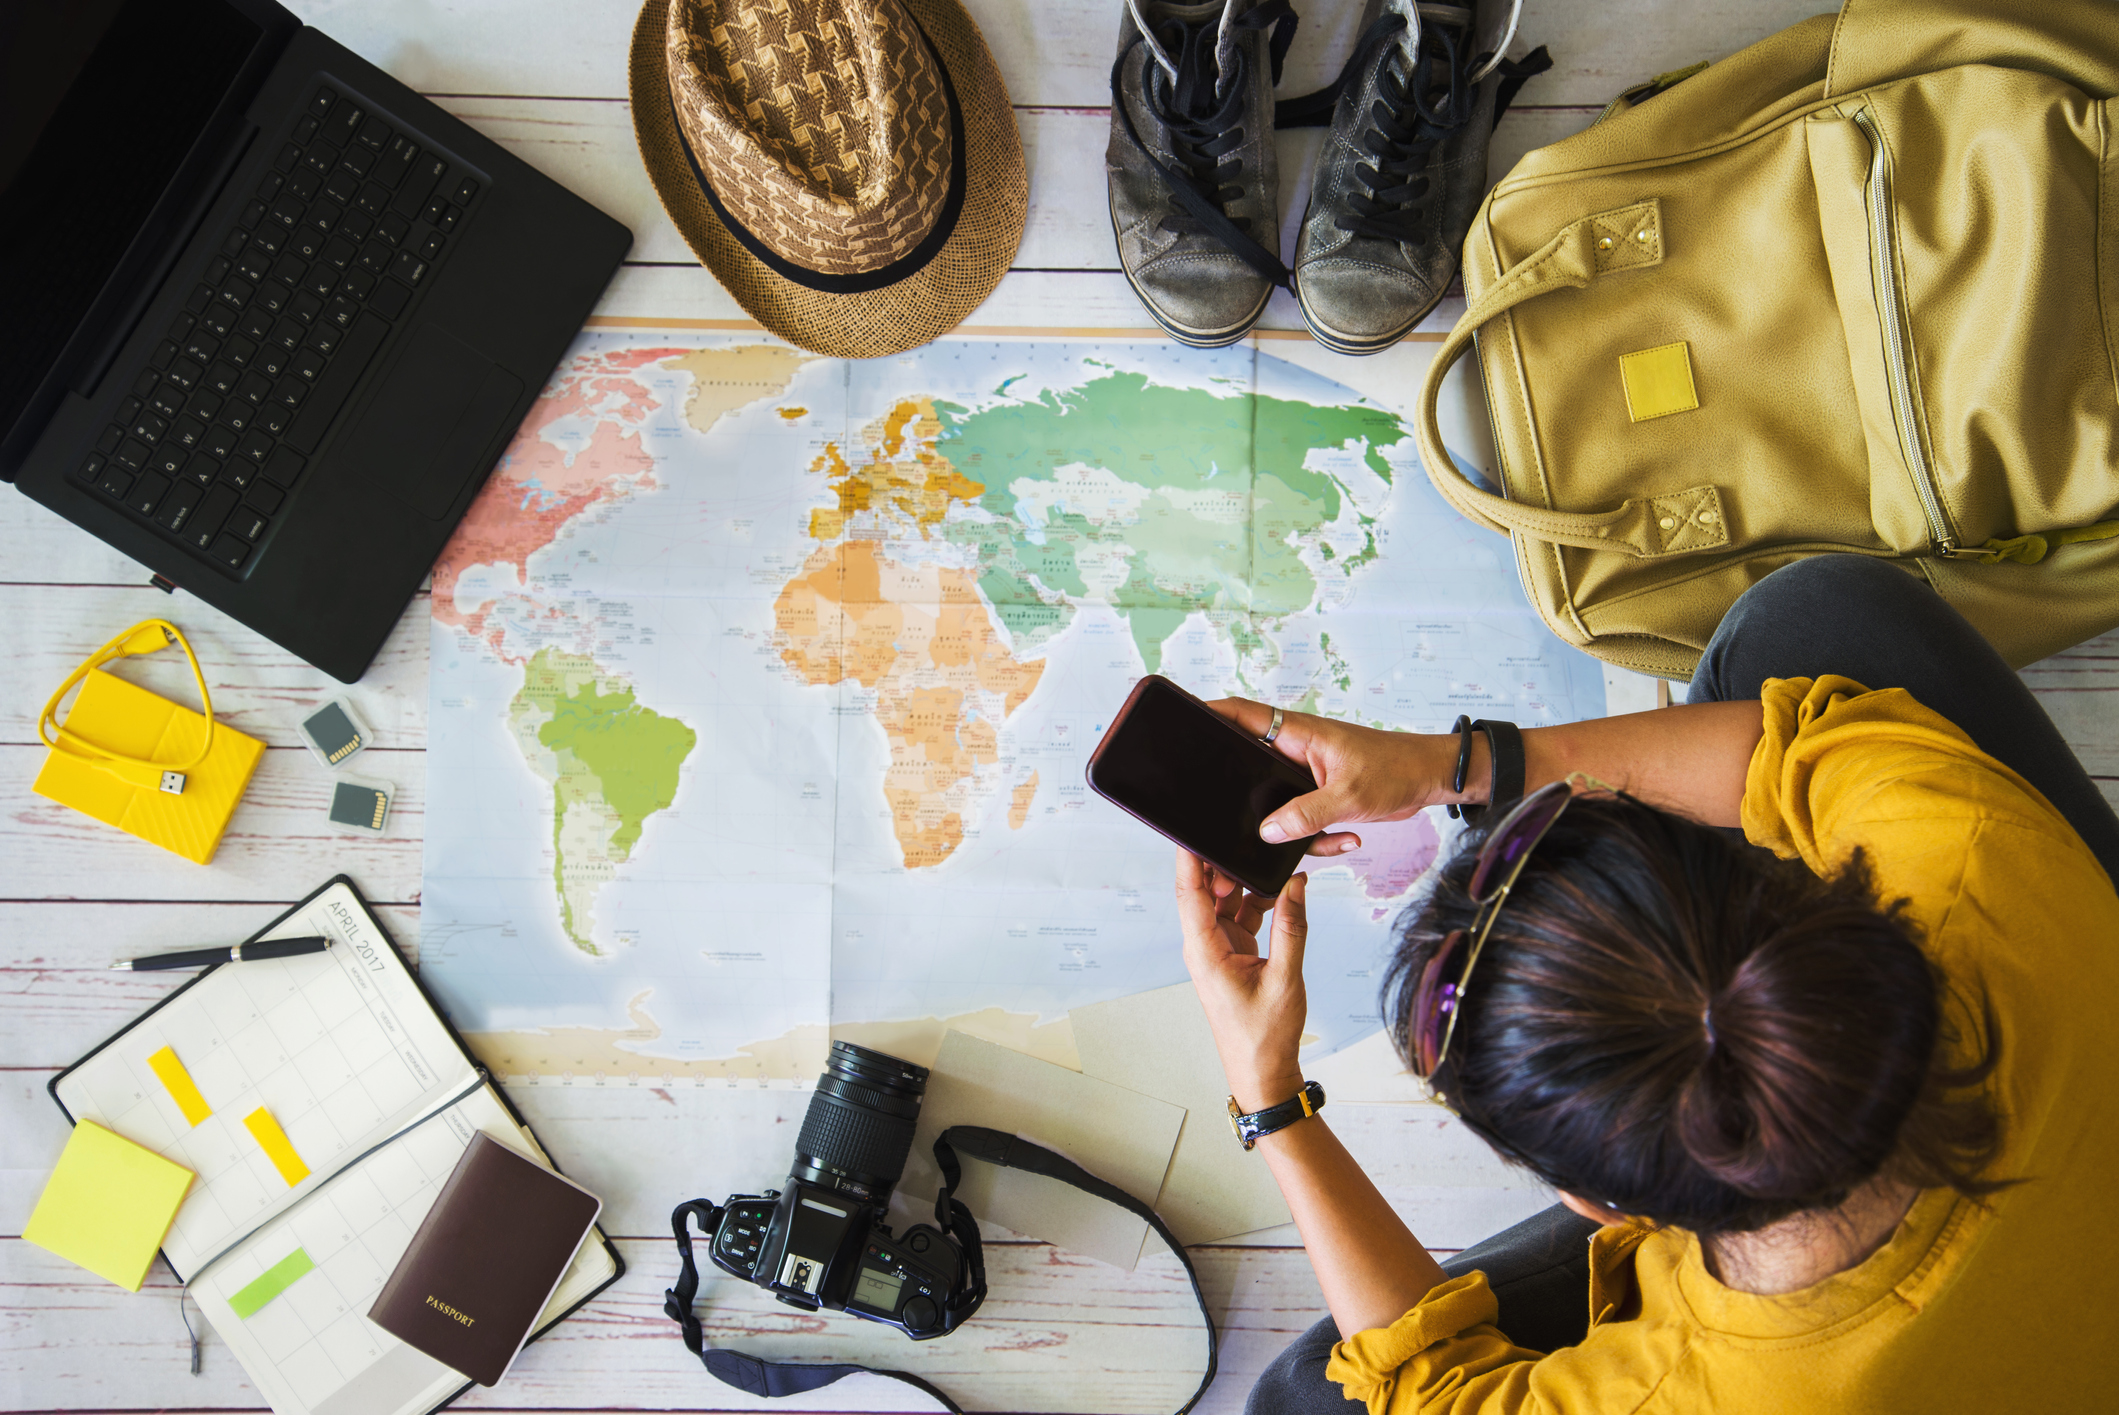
860, 1123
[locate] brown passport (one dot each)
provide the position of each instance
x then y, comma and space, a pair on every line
485, 1261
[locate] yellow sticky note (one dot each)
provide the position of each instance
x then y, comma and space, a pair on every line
177, 1081
108, 1205
1658, 381
273, 1141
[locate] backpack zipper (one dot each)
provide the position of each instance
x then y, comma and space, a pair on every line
1898, 342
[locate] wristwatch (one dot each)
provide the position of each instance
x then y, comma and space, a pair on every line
1260, 1123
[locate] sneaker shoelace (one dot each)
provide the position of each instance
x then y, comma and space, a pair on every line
1202, 111
1412, 113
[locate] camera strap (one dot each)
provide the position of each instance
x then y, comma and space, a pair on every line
780, 1378
997, 1147
772, 1379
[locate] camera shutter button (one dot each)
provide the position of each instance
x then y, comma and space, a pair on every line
920, 1313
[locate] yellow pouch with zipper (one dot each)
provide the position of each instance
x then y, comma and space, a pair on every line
135, 760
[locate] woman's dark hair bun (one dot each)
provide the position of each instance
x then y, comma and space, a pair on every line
1799, 1040
1685, 1028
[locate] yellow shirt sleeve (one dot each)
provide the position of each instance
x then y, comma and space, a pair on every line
1841, 767
1444, 1354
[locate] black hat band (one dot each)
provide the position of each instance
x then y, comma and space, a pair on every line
905, 266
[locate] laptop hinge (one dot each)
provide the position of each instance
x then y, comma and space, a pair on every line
166, 586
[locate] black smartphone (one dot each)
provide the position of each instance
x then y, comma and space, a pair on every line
1169, 762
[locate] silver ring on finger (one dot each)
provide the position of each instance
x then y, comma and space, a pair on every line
1274, 730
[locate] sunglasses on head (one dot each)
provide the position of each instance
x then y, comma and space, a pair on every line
1439, 998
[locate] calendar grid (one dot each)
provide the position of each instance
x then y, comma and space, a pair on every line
338, 1048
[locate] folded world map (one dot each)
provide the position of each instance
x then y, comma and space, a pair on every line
762, 685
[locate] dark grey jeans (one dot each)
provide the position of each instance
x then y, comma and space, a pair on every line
1874, 623
1844, 614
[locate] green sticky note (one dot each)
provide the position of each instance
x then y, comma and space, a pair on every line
108, 1205
270, 1284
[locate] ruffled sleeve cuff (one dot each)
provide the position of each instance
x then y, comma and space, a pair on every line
1787, 708
1444, 1343
1838, 762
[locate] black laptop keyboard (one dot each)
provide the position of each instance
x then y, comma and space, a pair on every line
220, 425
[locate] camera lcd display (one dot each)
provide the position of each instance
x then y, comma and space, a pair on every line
1169, 761
878, 1289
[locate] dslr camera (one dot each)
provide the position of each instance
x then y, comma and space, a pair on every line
821, 1242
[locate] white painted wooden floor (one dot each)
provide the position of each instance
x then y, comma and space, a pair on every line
547, 78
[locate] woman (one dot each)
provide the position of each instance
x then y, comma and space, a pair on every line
1834, 1127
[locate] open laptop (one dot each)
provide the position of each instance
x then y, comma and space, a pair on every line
268, 316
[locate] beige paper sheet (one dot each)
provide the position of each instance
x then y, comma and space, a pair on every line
1158, 1043
1117, 1134
1370, 1072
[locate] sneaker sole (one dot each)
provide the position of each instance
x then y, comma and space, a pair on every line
1192, 338
1341, 344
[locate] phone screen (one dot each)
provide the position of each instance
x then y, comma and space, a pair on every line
1197, 778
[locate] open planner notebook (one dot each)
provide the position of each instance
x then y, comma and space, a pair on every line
322, 1101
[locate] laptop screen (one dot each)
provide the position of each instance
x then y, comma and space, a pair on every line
100, 100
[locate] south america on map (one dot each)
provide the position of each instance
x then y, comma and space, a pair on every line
762, 686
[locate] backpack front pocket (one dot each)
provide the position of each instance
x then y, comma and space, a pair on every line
1961, 212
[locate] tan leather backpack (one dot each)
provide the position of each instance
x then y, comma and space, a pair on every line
1851, 289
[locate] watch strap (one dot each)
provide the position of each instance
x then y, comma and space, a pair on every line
1260, 1123
1504, 742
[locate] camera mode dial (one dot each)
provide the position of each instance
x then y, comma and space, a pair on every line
741, 1236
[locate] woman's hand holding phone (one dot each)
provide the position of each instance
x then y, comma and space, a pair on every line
1255, 1005
1370, 1265
1362, 774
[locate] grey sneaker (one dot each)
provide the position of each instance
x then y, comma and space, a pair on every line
1195, 199
1405, 166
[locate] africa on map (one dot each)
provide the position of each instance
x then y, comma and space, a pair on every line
762, 686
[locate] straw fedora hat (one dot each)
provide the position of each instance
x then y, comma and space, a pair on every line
849, 169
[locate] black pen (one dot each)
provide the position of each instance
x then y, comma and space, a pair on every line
240, 953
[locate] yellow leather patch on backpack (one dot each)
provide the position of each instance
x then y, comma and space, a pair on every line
1658, 381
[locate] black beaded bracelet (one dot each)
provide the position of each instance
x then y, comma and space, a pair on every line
1463, 728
